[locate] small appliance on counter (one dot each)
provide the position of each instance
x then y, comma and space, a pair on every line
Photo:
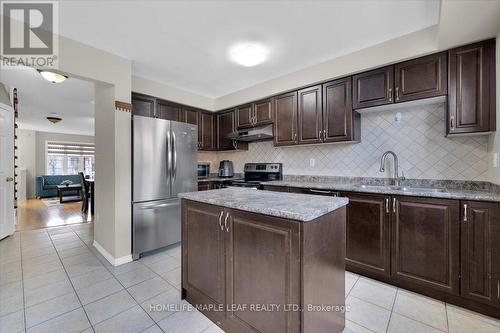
203, 170
226, 169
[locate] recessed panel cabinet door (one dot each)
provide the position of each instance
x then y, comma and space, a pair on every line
203, 255
244, 115
206, 131
190, 116
225, 126
368, 234
337, 111
471, 98
426, 243
143, 106
168, 111
373, 88
310, 115
421, 78
262, 268
285, 119
480, 231
263, 112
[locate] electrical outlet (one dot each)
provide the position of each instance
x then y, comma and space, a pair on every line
312, 162
495, 160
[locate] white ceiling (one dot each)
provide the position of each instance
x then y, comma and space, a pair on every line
72, 100
185, 43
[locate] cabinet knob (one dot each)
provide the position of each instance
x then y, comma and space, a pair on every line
452, 125
397, 93
220, 220
394, 205
387, 205
465, 212
390, 94
225, 223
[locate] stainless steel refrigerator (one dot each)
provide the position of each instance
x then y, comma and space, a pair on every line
164, 165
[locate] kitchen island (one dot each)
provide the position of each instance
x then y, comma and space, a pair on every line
261, 261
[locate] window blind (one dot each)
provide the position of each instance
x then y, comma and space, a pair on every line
71, 149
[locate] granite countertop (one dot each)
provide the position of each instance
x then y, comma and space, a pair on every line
294, 206
427, 191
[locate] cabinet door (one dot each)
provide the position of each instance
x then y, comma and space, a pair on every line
421, 78
310, 115
203, 186
339, 119
143, 106
190, 116
262, 268
368, 234
480, 260
225, 125
168, 111
263, 112
285, 119
206, 131
244, 115
373, 88
426, 243
471, 97
203, 255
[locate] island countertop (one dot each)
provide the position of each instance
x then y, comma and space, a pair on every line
294, 206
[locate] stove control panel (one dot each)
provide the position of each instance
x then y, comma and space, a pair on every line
263, 167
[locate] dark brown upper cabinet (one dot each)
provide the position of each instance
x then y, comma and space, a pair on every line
190, 115
143, 105
310, 115
244, 115
255, 114
263, 112
471, 95
167, 110
373, 88
340, 122
206, 131
421, 78
285, 119
226, 124
426, 242
480, 257
368, 234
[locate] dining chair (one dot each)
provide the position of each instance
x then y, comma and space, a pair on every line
85, 193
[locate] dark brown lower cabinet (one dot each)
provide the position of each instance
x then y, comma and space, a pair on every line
368, 234
242, 261
204, 255
425, 241
480, 257
446, 249
203, 186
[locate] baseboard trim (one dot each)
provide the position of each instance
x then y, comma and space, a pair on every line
112, 260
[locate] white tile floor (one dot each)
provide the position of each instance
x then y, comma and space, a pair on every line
53, 280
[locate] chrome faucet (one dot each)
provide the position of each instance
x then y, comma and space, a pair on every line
397, 179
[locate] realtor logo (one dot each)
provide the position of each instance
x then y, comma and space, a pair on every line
29, 36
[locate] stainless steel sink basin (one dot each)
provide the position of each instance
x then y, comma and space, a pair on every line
400, 188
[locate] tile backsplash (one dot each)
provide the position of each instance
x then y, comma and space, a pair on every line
417, 138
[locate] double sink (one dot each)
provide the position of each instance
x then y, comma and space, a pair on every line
383, 188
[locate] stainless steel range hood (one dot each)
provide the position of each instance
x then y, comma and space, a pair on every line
253, 134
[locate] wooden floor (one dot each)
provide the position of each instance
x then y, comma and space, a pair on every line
35, 214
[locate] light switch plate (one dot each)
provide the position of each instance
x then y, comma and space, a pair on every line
495, 160
312, 162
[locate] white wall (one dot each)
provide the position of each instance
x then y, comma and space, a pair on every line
26, 151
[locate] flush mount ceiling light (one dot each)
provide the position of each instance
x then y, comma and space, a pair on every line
54, 118
52, 77
248, 54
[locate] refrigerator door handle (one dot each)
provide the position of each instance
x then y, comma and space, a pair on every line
169, 156
174, 163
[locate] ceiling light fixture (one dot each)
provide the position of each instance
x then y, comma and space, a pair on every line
52, 77
248, 54
54, 118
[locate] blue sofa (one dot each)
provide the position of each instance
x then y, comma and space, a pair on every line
46, 186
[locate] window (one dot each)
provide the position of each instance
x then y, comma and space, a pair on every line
70, 158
